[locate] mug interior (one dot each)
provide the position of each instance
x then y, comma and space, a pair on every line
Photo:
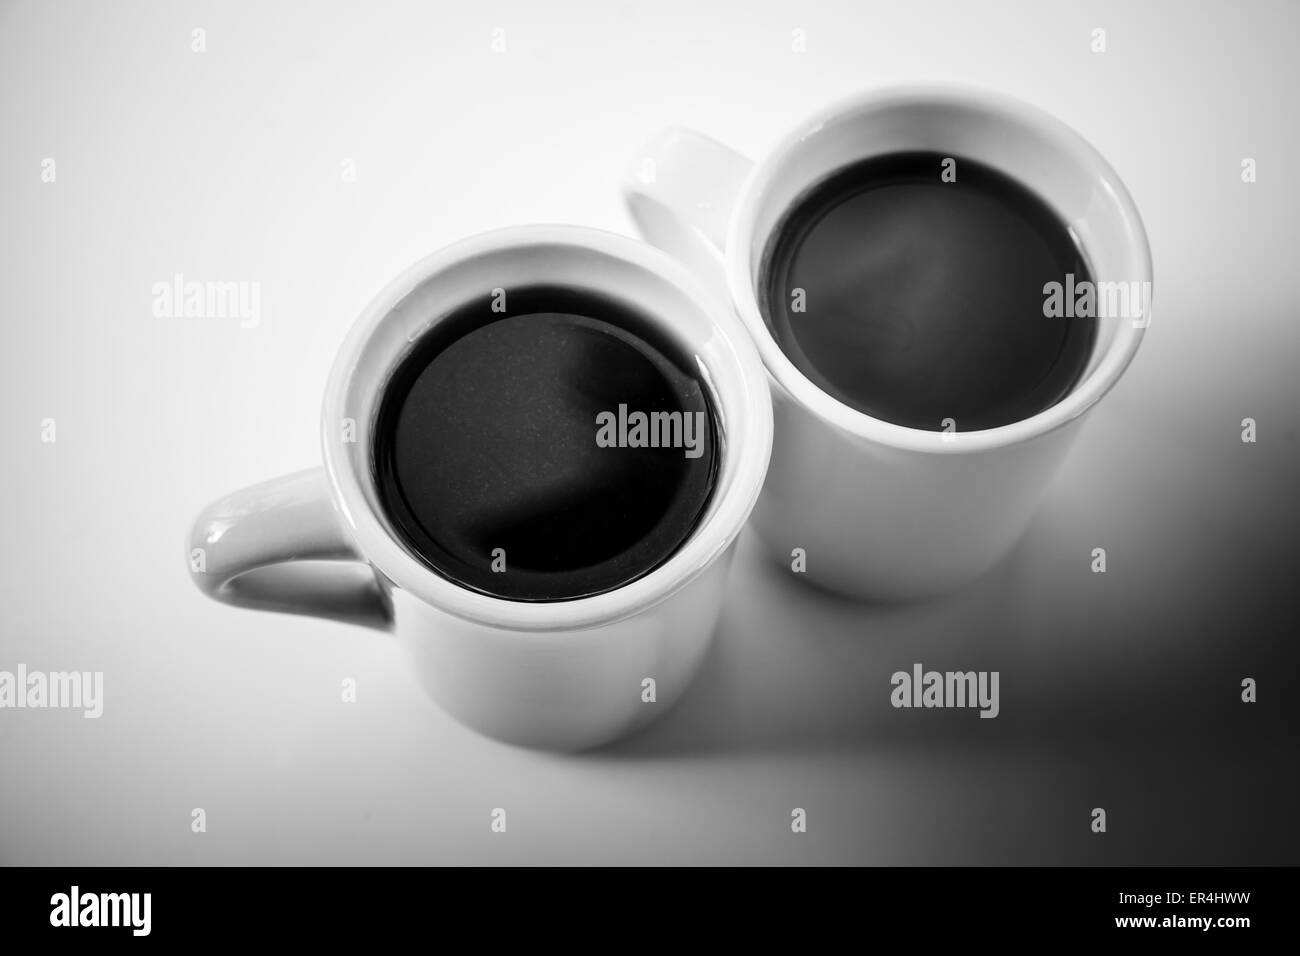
1021, 141
621, 269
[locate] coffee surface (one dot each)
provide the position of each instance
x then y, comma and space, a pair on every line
488, 457
916, 300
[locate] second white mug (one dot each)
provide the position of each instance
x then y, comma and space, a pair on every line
562, 674
879, 510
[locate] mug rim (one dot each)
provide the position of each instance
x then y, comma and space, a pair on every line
739, 254
748, 438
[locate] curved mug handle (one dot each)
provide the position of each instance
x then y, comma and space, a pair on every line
681, 191
263, 548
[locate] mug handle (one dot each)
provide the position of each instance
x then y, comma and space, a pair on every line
245, 550
681, 191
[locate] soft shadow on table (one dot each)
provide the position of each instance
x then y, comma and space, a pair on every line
1120, 689
1087, 663
796, 667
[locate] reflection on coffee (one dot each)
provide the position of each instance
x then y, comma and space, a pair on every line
546, 444
918, 298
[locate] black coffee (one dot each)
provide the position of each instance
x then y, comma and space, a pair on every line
557, 449
916, 300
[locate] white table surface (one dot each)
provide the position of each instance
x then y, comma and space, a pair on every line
1118, 690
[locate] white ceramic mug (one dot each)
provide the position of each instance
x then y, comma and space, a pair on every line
565, 674
882, 511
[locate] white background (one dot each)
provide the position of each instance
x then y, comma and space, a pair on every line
1118, 690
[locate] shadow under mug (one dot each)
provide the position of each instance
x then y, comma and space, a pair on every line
882, 511
564, 675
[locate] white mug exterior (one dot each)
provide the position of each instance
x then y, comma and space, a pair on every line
563, 675
882, 511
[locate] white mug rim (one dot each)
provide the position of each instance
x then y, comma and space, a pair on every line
738, 254
750, 439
